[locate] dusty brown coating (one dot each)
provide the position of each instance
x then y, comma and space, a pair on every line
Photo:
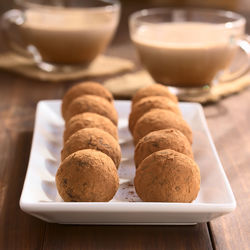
87, 175
89, 120
153, 90
85, 88
167, 176
93, 138
148, 103
158, 119
92, 104
160, 140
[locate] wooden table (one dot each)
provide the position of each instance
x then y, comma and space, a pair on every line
228, 120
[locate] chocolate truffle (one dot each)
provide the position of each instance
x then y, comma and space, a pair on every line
85, 88
92, 104
87, 176
167, 176
146, 104
153, 90
158, 119
93, 138
160, 140
89, 120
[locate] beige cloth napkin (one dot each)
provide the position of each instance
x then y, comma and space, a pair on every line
103, 65
125, 86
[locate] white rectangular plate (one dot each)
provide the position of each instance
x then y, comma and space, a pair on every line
40, 198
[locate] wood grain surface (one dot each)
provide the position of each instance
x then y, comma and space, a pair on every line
127, 237
229, 123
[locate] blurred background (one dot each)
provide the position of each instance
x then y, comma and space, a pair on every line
121, 44
236, 5
241, 6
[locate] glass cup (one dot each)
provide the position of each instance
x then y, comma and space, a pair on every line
189, 49
61, 35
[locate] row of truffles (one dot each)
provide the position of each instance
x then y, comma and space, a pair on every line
165, 167
91, 152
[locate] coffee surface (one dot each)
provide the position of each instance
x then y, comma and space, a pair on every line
184, 54
69, 37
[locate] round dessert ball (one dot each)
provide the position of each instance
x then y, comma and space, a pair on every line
158, 119
89, 120
85, 88
160, 140
148, 103
153, 90
92, 104
87, 176
93, 138
167, 176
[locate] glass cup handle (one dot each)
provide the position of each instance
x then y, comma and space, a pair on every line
10, 23
244, 45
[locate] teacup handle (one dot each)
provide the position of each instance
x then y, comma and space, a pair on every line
244, 44
11, 22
